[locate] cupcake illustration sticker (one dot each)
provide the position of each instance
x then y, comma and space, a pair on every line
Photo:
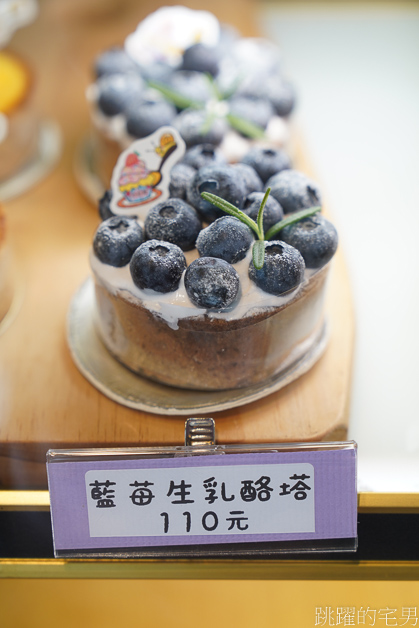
141, 176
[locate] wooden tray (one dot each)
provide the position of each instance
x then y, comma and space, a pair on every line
45, 402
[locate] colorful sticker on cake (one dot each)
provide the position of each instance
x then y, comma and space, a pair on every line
141, 176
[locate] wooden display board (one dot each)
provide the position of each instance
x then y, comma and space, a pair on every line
44, 401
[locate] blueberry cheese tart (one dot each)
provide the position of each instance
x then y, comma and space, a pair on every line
183, 68
219, 285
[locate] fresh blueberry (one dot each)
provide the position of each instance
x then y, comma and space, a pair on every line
294, 191
157, 71
256, 110
191, 85
272, 212
267, 161
282, 271
219, 180
145, 117
158, 266
203, 155
201, 58
211, 283
315, 237
104, 205
195, 127
253, 85
117, 91
116, 239
251, 180
173, 220
282, 96
227, 238
114, 61
180, 175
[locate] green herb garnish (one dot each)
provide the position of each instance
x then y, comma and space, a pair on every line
245, 127
178, 99
258, 250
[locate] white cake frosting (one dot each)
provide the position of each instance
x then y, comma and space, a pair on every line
173, 306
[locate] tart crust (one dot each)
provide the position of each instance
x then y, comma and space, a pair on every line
208, 353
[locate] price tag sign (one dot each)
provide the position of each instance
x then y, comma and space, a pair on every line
111, 502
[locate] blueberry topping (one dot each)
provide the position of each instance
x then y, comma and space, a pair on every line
267, 161
158, 266
114, 61
117, 91
104, 205
156, 71
196, 128
116, 239
220, 180
256, 110
173, 220
272, 212
211, 283
203, 155
227, 238
180, 175
145, 117
315, 237
294, 191
201, 58
251, 180
282, 271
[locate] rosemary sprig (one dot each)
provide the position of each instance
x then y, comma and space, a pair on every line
214, 87
231, 90
247, 128
176, 97
258, 250
291, 219
230, 209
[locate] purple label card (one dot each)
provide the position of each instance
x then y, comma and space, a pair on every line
106, 504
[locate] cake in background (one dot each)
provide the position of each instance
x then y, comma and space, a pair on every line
183, 68
29, 144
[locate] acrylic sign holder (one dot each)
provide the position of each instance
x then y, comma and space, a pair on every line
203, 499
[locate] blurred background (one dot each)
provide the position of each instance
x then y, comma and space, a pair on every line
356, 69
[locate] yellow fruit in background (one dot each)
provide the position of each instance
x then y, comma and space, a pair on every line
14, 82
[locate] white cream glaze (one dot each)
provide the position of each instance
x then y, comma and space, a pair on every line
176, 305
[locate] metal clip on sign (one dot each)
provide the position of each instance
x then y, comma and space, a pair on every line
199, 432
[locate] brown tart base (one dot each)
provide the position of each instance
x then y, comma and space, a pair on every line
208, 353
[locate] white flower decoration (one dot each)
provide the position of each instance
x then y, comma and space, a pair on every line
165, 34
